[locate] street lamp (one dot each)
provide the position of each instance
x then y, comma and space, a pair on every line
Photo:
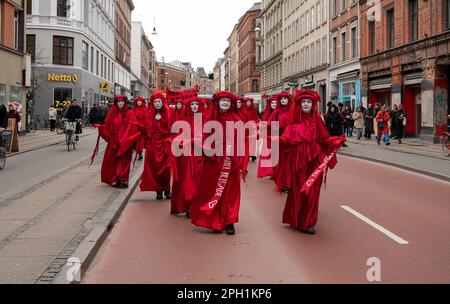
154, 27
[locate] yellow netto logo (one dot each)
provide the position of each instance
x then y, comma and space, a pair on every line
63, 77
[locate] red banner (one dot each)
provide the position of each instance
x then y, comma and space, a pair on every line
318, 172
181, 95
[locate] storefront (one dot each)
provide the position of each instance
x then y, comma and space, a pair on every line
59, 86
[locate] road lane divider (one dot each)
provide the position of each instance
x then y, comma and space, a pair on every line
381, 229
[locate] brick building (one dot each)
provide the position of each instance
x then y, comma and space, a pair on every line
170, 76
405, 59
249, 76
123, 47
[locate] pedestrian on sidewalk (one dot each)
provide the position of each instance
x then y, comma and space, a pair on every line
3, 117
116, 164
52, 116
309, 144
157, 163
394, 122
358, 118
13, 114
333, 121
402, 118
217, 201
349, 122
368, 122
382, 120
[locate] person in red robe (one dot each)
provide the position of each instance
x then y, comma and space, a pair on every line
141, 114
250, 113
189, 167
157, 166
309, 144
116, 165
281, 171
267, 170
216, 203
241, 109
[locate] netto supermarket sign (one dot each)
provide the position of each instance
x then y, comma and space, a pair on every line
63, 77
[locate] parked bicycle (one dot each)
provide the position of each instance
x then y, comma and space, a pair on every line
445, 142
60, 126
3, 135
38, 124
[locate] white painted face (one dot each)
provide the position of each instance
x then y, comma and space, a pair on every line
121, 104
284, 101
195, 106
239, 104
179, 106
225, 104
307, 105
157, 103
139, 103
249, 103
273, 104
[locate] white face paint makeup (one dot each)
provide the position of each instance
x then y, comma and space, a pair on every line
225, 104
284, 101
157, 103
249, 103
239, 104
139, 103
194, 106
307, 105
273, 104
179, 106
121, 104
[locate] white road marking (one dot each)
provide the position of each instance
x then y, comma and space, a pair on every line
376, 226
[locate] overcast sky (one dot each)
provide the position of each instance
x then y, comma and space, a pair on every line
190, 30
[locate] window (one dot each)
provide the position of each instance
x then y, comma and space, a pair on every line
371, 37
447, 14
92, 59
62, 94
2, 93
312, 19
307, 22
85, 55
313, 56
390, 28
354, 43
255, 85
414, 19
334, 50
324, 11
343, 5
318, 20
318, 58
97, 63
29, 7
344, 46
62, 50
335, 8
31, 47
16, 30
62, 9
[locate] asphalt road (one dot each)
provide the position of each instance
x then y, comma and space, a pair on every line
367, 211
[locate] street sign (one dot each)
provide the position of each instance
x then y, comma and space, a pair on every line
105, 87
293, 84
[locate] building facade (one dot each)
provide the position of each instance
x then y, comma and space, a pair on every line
72, 50
305, 46
249, 76
345, 68
122, 71
217, 75
141, 61
170, 76
13, 81
404, 59
204, 82
234, 60
226, 70
270, 58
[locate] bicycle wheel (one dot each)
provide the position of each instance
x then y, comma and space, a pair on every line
74, 144
59, 127
68, 140
445, 146
32, 127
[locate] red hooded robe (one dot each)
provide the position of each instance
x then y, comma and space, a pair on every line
226, 210
308, 142
141, 115
267, 171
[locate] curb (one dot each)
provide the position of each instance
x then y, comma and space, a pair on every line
100, 230
400, 166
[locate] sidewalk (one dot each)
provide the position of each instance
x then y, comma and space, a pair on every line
45, 138
413, 155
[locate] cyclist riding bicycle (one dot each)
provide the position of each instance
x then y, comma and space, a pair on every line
74, 114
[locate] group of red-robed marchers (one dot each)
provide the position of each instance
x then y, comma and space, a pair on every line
207, 188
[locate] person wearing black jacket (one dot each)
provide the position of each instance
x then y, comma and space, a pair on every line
3, 117
74, 113
400, 117
368, 122
333, 121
